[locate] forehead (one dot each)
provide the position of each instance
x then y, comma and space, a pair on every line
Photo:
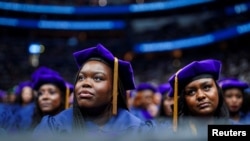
48, 86
95, 65
200, 82
145, 92
233, 90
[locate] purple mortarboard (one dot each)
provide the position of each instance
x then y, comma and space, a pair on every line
197, 69
171, 92
42, 70
125, 70
21, 85
50, 79
232, 83
164, 88
122, 69
146, 86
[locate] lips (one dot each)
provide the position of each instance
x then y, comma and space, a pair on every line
234, 107
203, 105
45, 104
85, 94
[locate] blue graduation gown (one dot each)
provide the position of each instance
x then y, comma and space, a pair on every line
7, 121
120, 124
244, 119
141, 114
24, 118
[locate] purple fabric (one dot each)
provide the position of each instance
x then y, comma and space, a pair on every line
187, 73
233, 83
50, 79
146, 86
124, 68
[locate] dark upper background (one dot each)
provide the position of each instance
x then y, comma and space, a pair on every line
151, 26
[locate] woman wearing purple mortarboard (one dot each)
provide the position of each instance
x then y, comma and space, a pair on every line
198, 99
100, 107
144, 98
166, 107
51, 98
234, 97
25, 94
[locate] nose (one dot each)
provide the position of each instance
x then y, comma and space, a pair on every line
86, 82
45, 95
200, 95
234, 99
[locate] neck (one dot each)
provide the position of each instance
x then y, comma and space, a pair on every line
100, 115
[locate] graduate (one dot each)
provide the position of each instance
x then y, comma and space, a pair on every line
51, 90
198, 100
234, 97
166, 106
100, 108
25, 93
144, 98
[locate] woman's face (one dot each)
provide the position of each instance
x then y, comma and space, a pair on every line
144, 98
234, 99
49, 98
168, 103
27, 94
93, 88
202, 97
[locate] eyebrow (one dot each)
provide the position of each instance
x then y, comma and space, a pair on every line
201, 83
93, 71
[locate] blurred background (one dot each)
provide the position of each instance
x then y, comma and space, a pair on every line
156, 36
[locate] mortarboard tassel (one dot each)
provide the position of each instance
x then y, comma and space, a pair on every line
67, 97
115, 86
175, 114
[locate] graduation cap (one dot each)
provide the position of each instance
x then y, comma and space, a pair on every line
122, 69
42, 70
21, 85
51, 79
208, 68
164, 88
146, 86
233, 83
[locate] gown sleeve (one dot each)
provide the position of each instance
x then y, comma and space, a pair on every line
51, 126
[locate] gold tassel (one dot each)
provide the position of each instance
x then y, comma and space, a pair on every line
115, 86
175, 112
67, 97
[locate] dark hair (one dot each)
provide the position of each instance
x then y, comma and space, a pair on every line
221, 111
78, 115
244, 108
